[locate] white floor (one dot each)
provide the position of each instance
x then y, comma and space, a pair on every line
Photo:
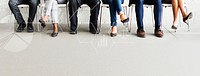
85, 54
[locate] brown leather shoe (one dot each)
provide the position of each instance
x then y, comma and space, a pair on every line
158, 33
141, 33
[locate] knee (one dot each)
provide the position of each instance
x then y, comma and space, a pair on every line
34, 3
13, 3
157, 2
139, 1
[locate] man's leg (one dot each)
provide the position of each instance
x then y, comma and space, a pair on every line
13, 4
94, 6
158, 17
32, 11
139, 16
73, 10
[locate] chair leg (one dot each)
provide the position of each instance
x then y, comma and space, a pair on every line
100, 24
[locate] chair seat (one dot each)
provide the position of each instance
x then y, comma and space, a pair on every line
62, 1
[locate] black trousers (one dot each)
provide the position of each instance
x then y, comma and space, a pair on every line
13, 4
73, 10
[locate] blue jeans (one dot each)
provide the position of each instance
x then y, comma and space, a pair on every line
115, 7
157, 13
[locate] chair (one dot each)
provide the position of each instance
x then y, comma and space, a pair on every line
105, 3
168, 3
147, 4
61, 4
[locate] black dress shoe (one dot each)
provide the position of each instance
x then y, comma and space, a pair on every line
125, 20
113, 34
21, 27
43, 24
54, 34
30, 27
94, 31
73, 32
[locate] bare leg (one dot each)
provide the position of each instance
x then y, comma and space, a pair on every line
181, 6
175, 11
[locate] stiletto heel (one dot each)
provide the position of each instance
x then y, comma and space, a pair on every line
125, 20
174, 27
189, 16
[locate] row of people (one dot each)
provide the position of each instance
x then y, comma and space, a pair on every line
51, 7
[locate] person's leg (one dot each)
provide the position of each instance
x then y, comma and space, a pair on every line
54, 15
119, 10
32, 11
139, 13
13, 4
94, 7
139, 17
158, 17
48, 9
73, 10
158, 13
113, 17
183, 11
175, 13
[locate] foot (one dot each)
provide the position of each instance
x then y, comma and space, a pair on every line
114, 31
54, 34
189, 16
73, 32
43, 24
141, 33
173, 27
94, 31
30, 28
21, 27
158, 33
123, 18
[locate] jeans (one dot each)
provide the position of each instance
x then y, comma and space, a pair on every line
51, 8
157, 13
13, 4
115, 7
73, 10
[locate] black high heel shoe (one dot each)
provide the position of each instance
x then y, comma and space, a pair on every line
42, 23
125, 20
174, 27
189, 16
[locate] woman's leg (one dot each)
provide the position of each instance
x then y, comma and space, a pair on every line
48, 9
175, 13
181, 6
113, 15
54, 15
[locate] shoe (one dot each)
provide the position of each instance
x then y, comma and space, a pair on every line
189, 16
30, 27
54, 34
73, 32
94, 31
21, 27
125, 20
158, 33
43, 24
113, 34
174, 27
141, 33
